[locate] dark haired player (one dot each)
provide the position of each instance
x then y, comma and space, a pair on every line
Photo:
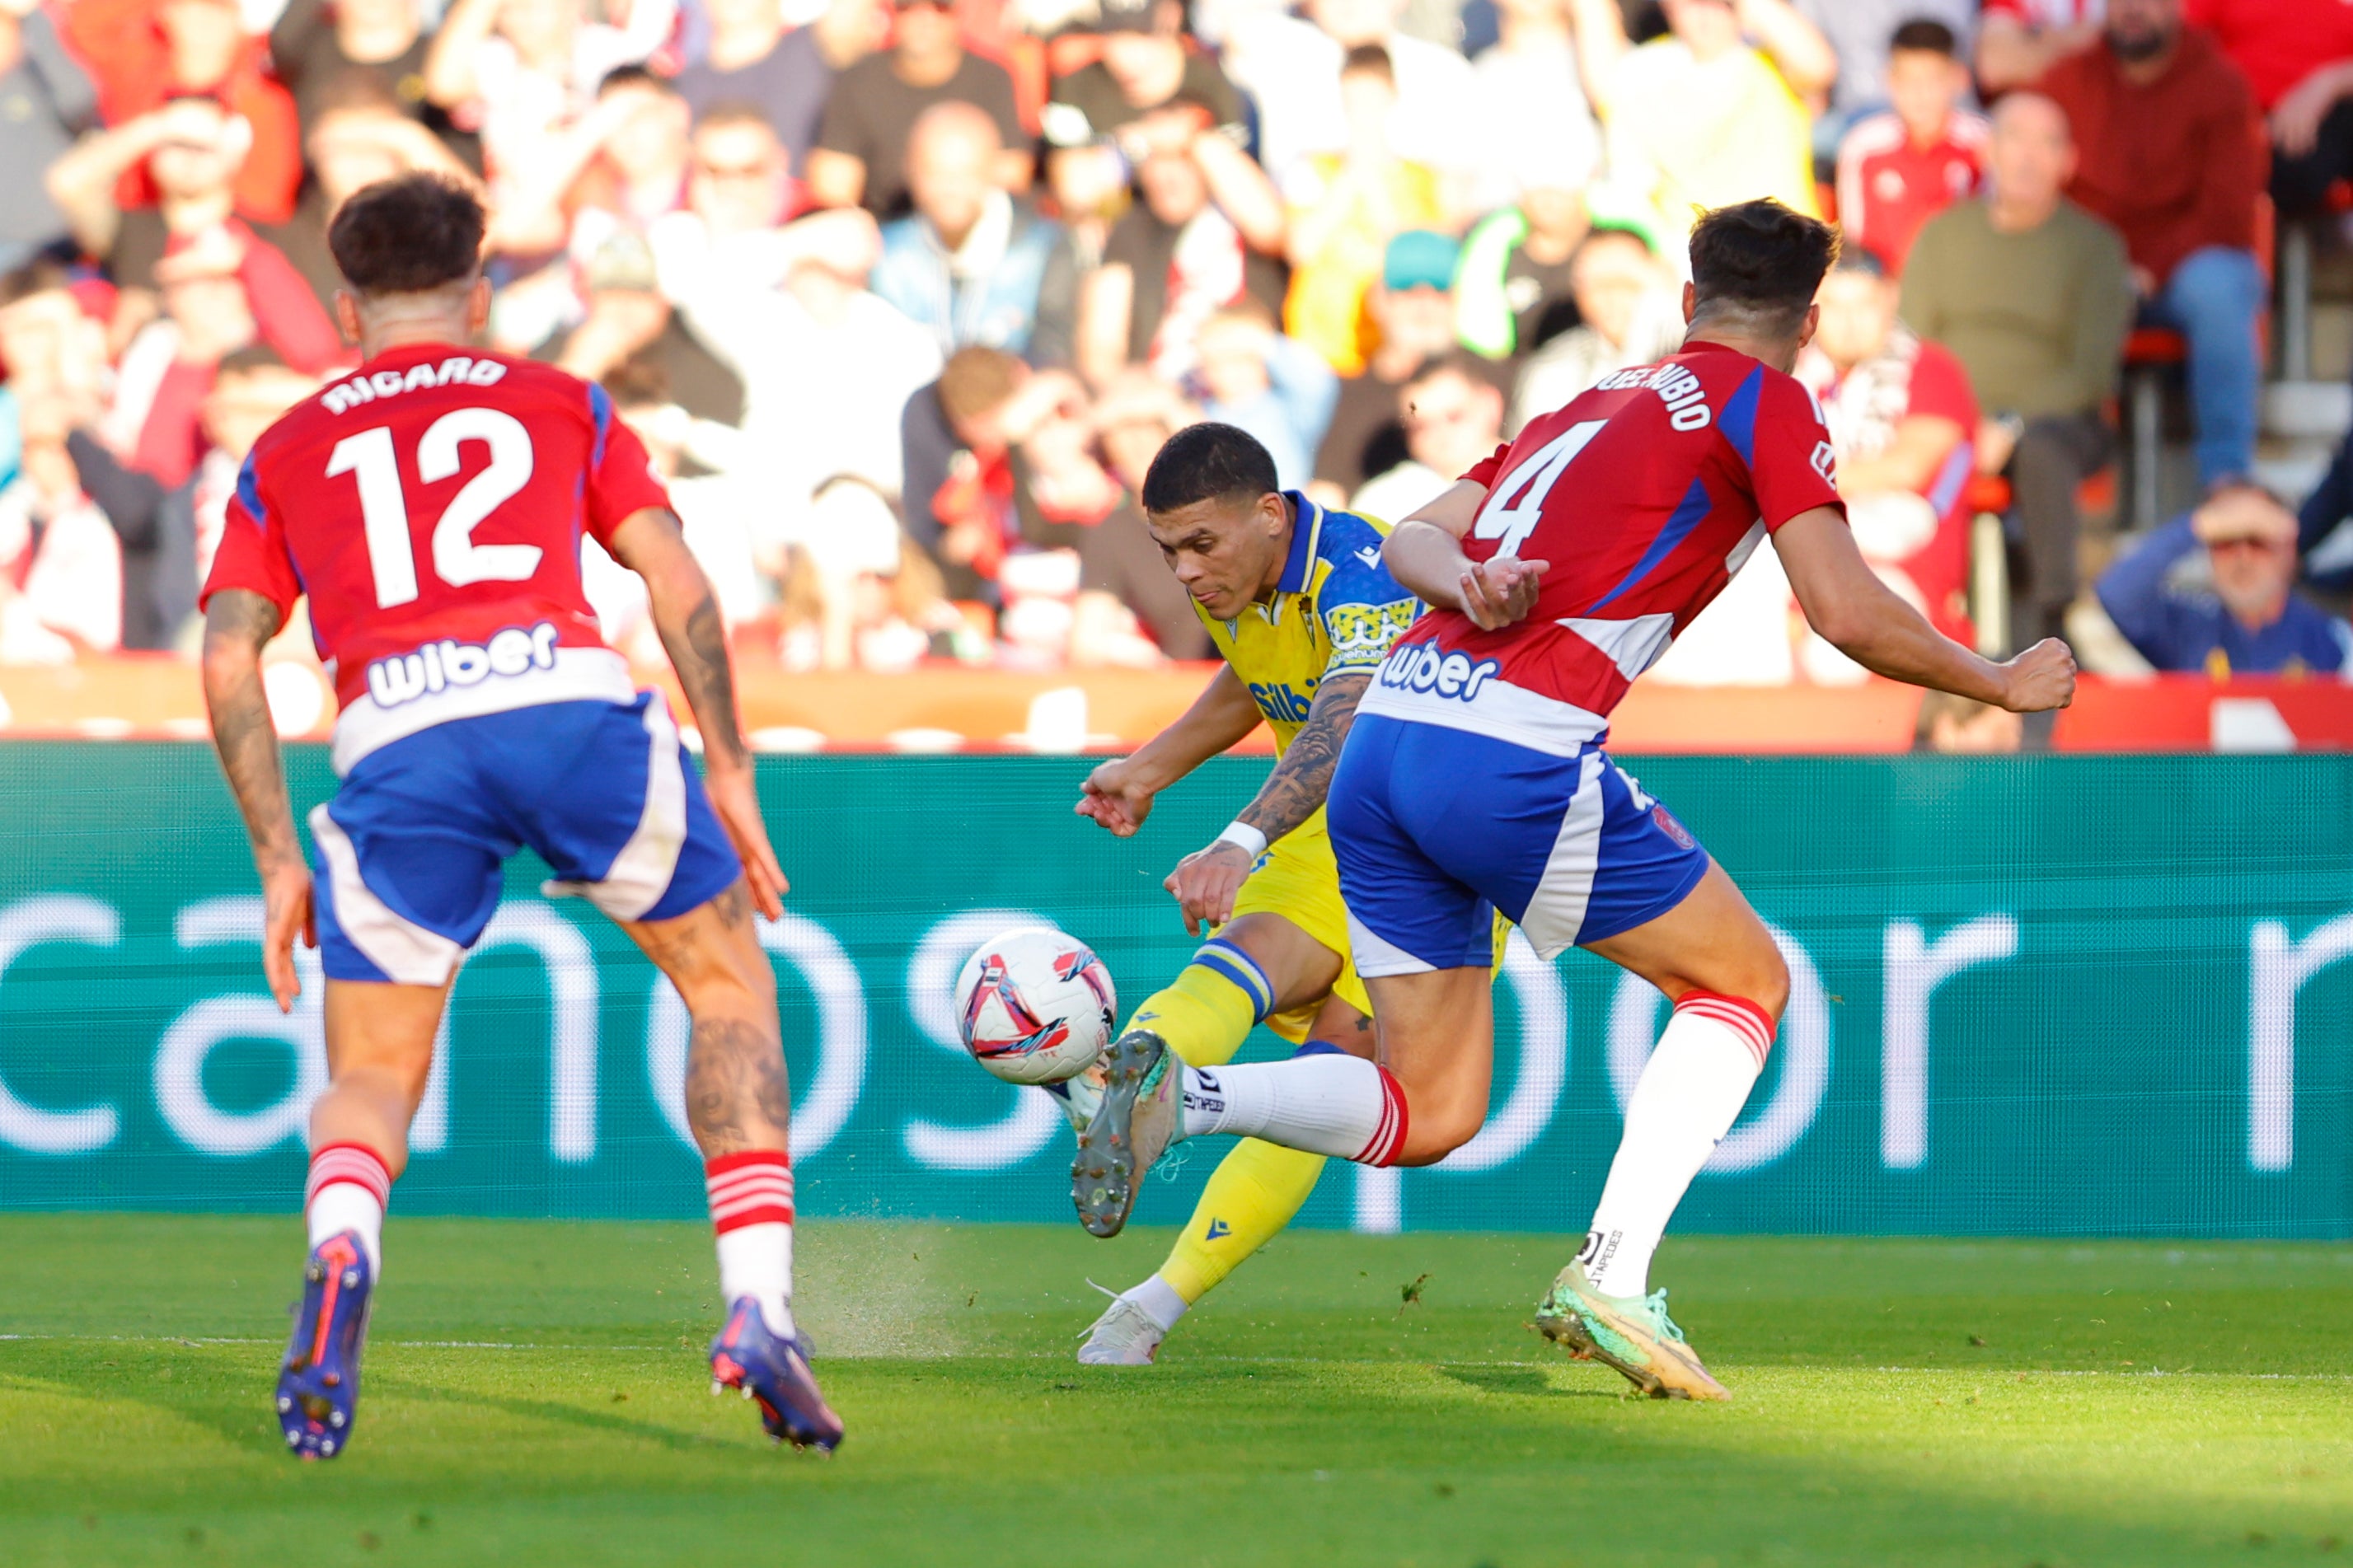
1558, 570
431, 505
1299, 605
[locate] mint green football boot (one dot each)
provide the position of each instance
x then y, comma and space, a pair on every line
1632, 1334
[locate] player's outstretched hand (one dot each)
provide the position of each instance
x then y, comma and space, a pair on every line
1113, 798
1206, 881
286, 912
1501, 592
2041, 678
738, 803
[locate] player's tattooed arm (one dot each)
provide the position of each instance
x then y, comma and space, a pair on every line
1302, 778
236, 625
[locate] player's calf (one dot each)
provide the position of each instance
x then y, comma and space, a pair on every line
319, 1381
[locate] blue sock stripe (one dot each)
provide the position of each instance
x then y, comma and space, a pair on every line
1233, 965
1317, 1049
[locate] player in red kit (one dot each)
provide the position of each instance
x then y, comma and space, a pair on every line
1476, 779
430, 506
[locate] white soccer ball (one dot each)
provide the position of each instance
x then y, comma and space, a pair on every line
1035, 1006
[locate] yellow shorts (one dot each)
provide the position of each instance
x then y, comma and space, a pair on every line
1298, 879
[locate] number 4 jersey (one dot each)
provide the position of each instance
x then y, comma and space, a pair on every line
1646, 494
431, 506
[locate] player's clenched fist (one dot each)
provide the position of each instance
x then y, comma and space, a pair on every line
1206, 883
1501, 592
2041, 678
1113, 796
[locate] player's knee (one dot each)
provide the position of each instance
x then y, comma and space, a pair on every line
1436, 1126
1771, 985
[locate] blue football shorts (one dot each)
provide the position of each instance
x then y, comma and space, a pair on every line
409, 854
1436, 828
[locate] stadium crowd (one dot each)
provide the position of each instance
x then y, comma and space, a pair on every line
903, 298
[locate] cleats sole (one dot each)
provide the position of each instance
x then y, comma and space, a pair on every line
1660, 1369
1103, 1176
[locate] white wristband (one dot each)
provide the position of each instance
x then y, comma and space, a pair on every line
1249, 837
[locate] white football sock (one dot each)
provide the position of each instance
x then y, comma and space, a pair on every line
1326, 1104
347, 1189
1159, 1300
756, 1260
1689, 1095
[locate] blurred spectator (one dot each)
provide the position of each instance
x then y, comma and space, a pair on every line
740, 193
60, 572
45, 100
1125, 589
1905, 425
1628, 314
1899, 169
753, 61
969, 501
1454, 418
2246, 619
357, 136
1144, 66
167, 533
1703, 118
861, 157
2297, 55
1860, 33
1527, 83
2018, 40
144, 53
1958, 726
520, 72
1515, 287
616, 168
2030, 293
1345, 207
973, 265
628, 318
1291, 66
806, 427
2173, 153
2323, 539
879, 600
1413, 319
1275, 387
317, 46
1203, 234
720, 514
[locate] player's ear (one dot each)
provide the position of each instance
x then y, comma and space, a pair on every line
347, 316
1813, 320
1690, 304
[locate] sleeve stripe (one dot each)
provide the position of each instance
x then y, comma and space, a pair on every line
600, 407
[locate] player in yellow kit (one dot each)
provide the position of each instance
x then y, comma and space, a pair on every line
1298, 602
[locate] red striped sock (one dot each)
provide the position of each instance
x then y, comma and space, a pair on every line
348, 1188
1388, 1138
1743, 1018
755, 1187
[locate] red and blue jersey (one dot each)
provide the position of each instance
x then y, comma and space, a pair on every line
1645, 494
431, 506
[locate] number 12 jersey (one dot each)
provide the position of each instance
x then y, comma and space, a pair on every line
1645, 494
431, 505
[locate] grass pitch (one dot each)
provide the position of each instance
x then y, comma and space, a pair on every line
536, 1394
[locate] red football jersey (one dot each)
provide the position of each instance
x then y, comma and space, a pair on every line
1646, 494
431, 506
1887, 187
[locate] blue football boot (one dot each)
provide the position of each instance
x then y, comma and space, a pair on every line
773, 1370
319, 1386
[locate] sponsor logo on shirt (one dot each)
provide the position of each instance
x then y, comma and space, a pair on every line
401, 678
347, 395
1283, 704
1421, 667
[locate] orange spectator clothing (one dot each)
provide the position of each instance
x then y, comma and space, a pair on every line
120, 45
2175, 164
2277, 43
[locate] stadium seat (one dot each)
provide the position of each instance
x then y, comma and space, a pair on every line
1989, 499
2295, 241
2149, 354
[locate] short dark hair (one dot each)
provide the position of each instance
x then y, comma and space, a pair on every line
42, 275
637, 382
1761, 259
245, 360
408, 235
634, 75
1926, 36
1209, 462
1370, 59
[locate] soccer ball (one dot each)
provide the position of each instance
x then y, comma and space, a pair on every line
1035, 1006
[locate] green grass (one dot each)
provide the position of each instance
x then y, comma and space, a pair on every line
536, 1395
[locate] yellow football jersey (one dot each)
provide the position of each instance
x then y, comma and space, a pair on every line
1336, 609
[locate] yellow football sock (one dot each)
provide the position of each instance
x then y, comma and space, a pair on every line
1208, 1009
1253, 1193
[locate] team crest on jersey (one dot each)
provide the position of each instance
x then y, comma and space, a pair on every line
1672, 828
1826, 461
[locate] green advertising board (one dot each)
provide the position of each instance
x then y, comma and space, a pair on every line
2046, 995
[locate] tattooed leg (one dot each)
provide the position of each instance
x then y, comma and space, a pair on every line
737, 1097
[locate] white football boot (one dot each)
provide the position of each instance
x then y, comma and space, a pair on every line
1124, 1335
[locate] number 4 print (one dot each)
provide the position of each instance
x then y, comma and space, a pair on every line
1513, 519
384, 510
